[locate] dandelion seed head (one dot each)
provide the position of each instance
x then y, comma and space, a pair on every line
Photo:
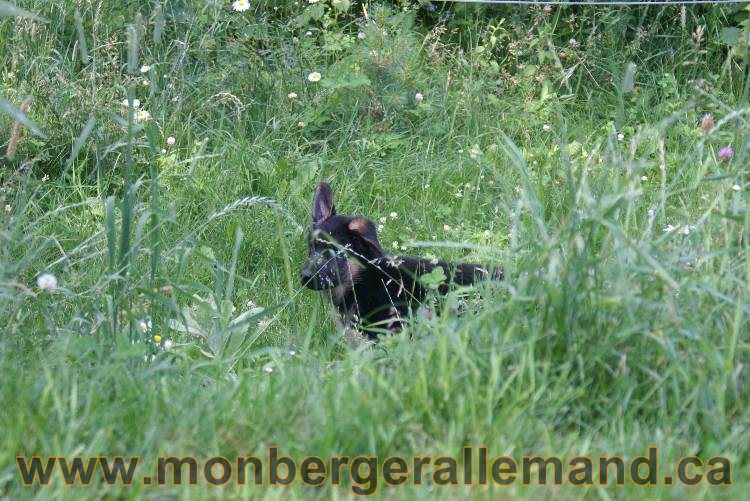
47, 282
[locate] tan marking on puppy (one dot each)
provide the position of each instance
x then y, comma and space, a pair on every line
360, 225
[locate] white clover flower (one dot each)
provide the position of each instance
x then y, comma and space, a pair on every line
292, 95
313, 1
394, 215
145, 68
314, 77
142, 116
546, 127
136, 103
292, 353
395, 244
382, 220
446, 228
458, 194
668, 228
644, 178
47, 282
361, 35
240, 5
301, 125
143, 326
168, 344
170, 141
620, 136
268, 370
735, 187
418, 97
381, 227
8, 208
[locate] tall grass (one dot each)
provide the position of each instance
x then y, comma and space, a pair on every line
564, 145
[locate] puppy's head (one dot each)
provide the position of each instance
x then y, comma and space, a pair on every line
338, 246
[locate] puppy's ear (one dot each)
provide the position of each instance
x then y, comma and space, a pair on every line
322, 207
363, 232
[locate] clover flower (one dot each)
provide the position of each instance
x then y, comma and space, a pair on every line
726, 153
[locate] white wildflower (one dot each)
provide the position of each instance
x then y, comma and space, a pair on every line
240, 5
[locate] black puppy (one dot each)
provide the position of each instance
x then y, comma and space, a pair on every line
371, 290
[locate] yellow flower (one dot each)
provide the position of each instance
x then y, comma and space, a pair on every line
314, 77
157, 338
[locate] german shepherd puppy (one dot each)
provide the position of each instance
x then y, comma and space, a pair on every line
371, 291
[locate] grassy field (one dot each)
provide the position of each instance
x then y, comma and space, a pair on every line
599, 155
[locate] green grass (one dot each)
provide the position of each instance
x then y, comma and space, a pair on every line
560, 145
